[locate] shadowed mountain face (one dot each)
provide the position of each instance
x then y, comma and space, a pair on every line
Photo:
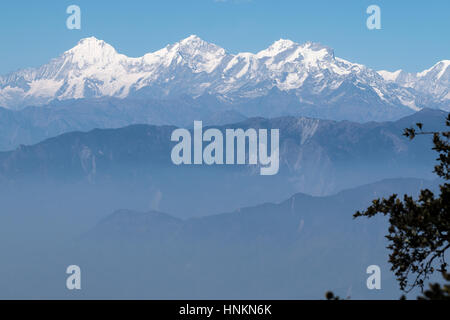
296, 249
35, 124
317, 157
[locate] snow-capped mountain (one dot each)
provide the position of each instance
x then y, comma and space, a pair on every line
193, 67
434, 81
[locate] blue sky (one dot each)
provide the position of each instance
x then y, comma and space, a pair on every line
414, 34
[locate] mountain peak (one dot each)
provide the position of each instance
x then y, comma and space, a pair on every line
438, 68
194, 43
278, 47
91, 50
283, 43
91, 43
192, 38
198, 54
91, 39
310, 50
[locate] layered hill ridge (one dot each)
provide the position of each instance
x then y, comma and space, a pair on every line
265, 246
317, 157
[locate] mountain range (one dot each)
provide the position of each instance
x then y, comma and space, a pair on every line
286, 78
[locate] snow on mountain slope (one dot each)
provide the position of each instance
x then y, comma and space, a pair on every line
434, 81
390, 76
195, 67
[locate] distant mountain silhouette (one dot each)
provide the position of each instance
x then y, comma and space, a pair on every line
312, 243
